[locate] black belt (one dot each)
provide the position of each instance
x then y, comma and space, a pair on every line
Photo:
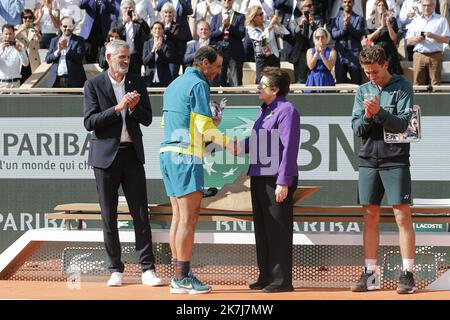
123, 145
10, 80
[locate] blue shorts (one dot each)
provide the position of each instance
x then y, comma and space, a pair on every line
182, 174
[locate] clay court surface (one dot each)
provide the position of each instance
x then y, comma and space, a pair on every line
99, 291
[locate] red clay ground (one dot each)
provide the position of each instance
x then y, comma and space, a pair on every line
99, 291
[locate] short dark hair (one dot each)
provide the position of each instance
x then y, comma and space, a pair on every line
372, 54
277, 78
26, 11
206, 52
68, 17
8, 26
157, 22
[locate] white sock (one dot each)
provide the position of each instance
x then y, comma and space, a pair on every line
408, 265
371, 264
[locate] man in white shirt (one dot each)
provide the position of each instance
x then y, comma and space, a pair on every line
66, 55
428, 33
116, 104
12, 57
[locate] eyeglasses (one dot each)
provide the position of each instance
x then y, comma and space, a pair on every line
263, 84
67, 27
28, 17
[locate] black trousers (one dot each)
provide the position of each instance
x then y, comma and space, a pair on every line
128, 171
273, 231
262, 62
231, 73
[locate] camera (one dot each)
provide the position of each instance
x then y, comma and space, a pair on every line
306, 14
12, 43
130, 13
422, 34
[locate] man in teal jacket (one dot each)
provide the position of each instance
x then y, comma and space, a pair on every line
383, 104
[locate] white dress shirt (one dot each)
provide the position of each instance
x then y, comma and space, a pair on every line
62, 65
130, 36
10, 62
119, 92
435, 24
407, 6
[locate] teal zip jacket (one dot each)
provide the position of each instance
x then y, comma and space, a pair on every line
396, 102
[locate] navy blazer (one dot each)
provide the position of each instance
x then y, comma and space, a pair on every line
192, 48
107, 9
100, 117
348, 41
161, 63
74, 60
237, 32
183, 9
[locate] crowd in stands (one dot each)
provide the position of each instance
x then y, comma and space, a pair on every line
321, 39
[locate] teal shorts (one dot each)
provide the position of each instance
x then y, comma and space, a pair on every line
182, 174
373, 183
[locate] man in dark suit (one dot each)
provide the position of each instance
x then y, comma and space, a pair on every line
204, 35
228, 28
115, 104
66, 55
134, 30
288, 12
96, 25
348, 29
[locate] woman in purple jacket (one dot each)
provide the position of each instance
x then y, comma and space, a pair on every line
273, 171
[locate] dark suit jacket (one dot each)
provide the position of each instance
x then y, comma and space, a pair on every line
141, 32
107, 9
237, 32
101, 118
161, 63
348, 41
192, 48
74, 60
284, 9
183, 9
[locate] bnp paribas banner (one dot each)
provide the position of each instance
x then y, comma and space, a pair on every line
57, 148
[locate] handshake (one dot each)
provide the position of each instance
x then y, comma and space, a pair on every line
234, 148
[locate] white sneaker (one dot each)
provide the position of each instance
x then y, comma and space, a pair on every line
150, 278
115, 280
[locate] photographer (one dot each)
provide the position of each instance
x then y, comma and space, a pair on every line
134, 30
29, 35
12, 57
428, 33
303, 31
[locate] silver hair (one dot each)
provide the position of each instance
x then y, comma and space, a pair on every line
113, 46
168, 7
131, 3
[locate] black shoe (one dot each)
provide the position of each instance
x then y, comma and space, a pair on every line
276, 288
368, 282
210, 192
257, 285
407, 283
